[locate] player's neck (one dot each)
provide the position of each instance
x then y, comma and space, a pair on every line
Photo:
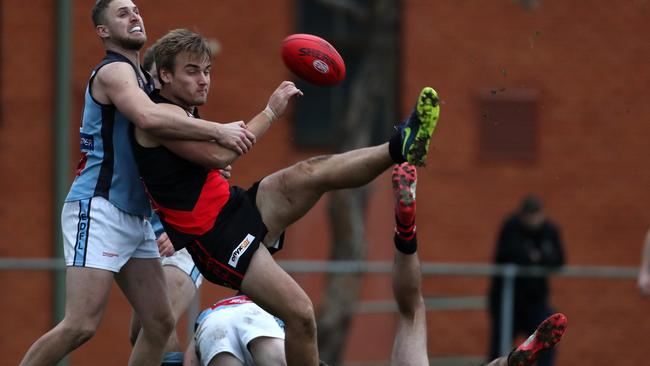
133, 56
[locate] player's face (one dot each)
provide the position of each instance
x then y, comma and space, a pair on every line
190, 82
125, 25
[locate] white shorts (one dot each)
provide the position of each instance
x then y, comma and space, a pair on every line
97, 234
183, 261
230, 328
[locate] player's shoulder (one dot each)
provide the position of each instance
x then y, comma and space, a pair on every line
165, 103
116, 72
172, 108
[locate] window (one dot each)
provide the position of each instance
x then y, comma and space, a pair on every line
315, 119
508, 126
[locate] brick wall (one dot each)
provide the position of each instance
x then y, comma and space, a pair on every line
585, 60
25, 150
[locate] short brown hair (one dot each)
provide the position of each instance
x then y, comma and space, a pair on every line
176, 42
99, 8
148, 58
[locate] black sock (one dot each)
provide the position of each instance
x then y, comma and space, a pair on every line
395, 148
406, 246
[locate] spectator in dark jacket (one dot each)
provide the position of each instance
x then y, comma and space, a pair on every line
526, 238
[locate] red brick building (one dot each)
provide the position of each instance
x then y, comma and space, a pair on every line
576, 72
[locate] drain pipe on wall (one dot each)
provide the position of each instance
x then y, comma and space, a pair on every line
61, 146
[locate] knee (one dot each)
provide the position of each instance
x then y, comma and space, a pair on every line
166, 324
305, 169
313, 176
79, 331
159, 326
302, 318
309, 167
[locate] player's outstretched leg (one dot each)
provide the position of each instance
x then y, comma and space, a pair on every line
410, 345
285, 196
404, 181
416, 131
547, 335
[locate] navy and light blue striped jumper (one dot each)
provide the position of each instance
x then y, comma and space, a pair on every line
107, 167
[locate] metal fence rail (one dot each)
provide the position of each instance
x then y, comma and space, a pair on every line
450, 269
509, 272
458, 269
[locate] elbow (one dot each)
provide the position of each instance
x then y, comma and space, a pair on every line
213, 165
220, 158
218, 162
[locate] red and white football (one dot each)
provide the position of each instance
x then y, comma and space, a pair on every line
313, 59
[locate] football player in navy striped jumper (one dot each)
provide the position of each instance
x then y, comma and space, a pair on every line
106, 232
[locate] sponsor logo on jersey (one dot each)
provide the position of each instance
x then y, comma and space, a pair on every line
241, 248
82, 232
87, 142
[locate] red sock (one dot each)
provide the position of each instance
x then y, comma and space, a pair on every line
405, 238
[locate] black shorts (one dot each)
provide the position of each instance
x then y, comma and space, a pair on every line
224, 253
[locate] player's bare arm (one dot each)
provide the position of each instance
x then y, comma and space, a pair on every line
215, 156
209, 154
275, 108
116, 84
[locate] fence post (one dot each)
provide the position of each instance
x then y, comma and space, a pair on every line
61, 135
507, 307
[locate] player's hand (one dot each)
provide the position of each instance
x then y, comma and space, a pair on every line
281, 96
165, 246
644, 282
225, 172
235, 136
